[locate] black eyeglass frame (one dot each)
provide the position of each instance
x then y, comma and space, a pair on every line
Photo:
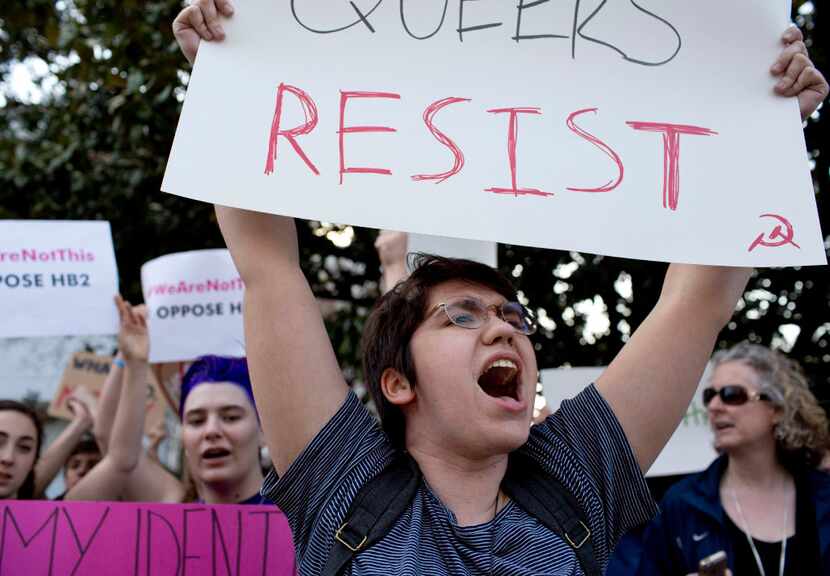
708, 394
526, 314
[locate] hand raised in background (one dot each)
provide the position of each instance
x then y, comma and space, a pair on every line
133, 337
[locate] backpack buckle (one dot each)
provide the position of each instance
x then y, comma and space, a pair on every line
353, 547
584, 539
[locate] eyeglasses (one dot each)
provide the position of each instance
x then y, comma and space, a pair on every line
472, 313
732, 395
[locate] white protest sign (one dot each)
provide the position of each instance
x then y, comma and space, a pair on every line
484, 252
57, 278
688, 450
552, 124
194, 303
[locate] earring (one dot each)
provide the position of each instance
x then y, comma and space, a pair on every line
777, 432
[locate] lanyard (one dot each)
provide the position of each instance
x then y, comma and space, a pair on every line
745, 529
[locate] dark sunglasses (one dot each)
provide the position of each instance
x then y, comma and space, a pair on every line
472, 313
732, 395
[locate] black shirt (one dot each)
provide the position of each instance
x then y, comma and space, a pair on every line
802, 555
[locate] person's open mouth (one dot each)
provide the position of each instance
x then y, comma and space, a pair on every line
214, 454
500, 379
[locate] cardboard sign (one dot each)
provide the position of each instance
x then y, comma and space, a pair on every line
57, 278
83, 377
156, 407
688, 450
169, 377
484, 252
194, 301
142, 539
646, 132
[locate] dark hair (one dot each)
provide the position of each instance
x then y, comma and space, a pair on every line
399, 312
86, 445
27, 489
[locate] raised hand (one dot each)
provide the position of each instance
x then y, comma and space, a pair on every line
798, 76
133, 337
391, 247
81, 412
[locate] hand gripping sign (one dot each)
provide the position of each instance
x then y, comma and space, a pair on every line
644, 130
194, 301
57, 278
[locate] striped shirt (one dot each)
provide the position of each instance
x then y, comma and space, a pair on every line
582, 445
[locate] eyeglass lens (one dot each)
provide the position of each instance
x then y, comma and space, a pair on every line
732, 395
470, 313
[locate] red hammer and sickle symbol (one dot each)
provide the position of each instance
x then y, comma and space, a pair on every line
777, 237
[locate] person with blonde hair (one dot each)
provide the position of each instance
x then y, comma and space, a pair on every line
763, 501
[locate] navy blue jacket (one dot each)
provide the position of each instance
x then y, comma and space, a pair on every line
692, 523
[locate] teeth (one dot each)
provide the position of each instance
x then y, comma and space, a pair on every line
503, 363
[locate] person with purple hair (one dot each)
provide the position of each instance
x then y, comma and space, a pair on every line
220, 431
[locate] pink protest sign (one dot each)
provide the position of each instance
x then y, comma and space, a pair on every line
56, 538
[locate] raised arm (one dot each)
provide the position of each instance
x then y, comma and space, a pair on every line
51, 462
295, 376
108, 403
107, 480
294, 373
651, 381
126, 473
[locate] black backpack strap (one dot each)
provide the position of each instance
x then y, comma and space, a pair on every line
543, 496
374, 511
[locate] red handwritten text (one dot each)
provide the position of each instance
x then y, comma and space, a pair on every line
344, 98
310, 111
608, 186
671, 154
512, 137
670, 132
458, 155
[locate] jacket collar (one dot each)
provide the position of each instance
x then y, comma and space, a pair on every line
705, 492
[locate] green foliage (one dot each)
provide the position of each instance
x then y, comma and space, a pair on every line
95, 148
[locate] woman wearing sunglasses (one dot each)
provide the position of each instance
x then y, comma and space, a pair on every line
763, 501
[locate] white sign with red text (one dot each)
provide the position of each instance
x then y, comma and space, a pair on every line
57, 278
690, 448
645, 131
194, 305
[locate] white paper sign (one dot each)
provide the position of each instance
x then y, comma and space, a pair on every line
648, 131
57, 278
688, 450
194, 300
484, 252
